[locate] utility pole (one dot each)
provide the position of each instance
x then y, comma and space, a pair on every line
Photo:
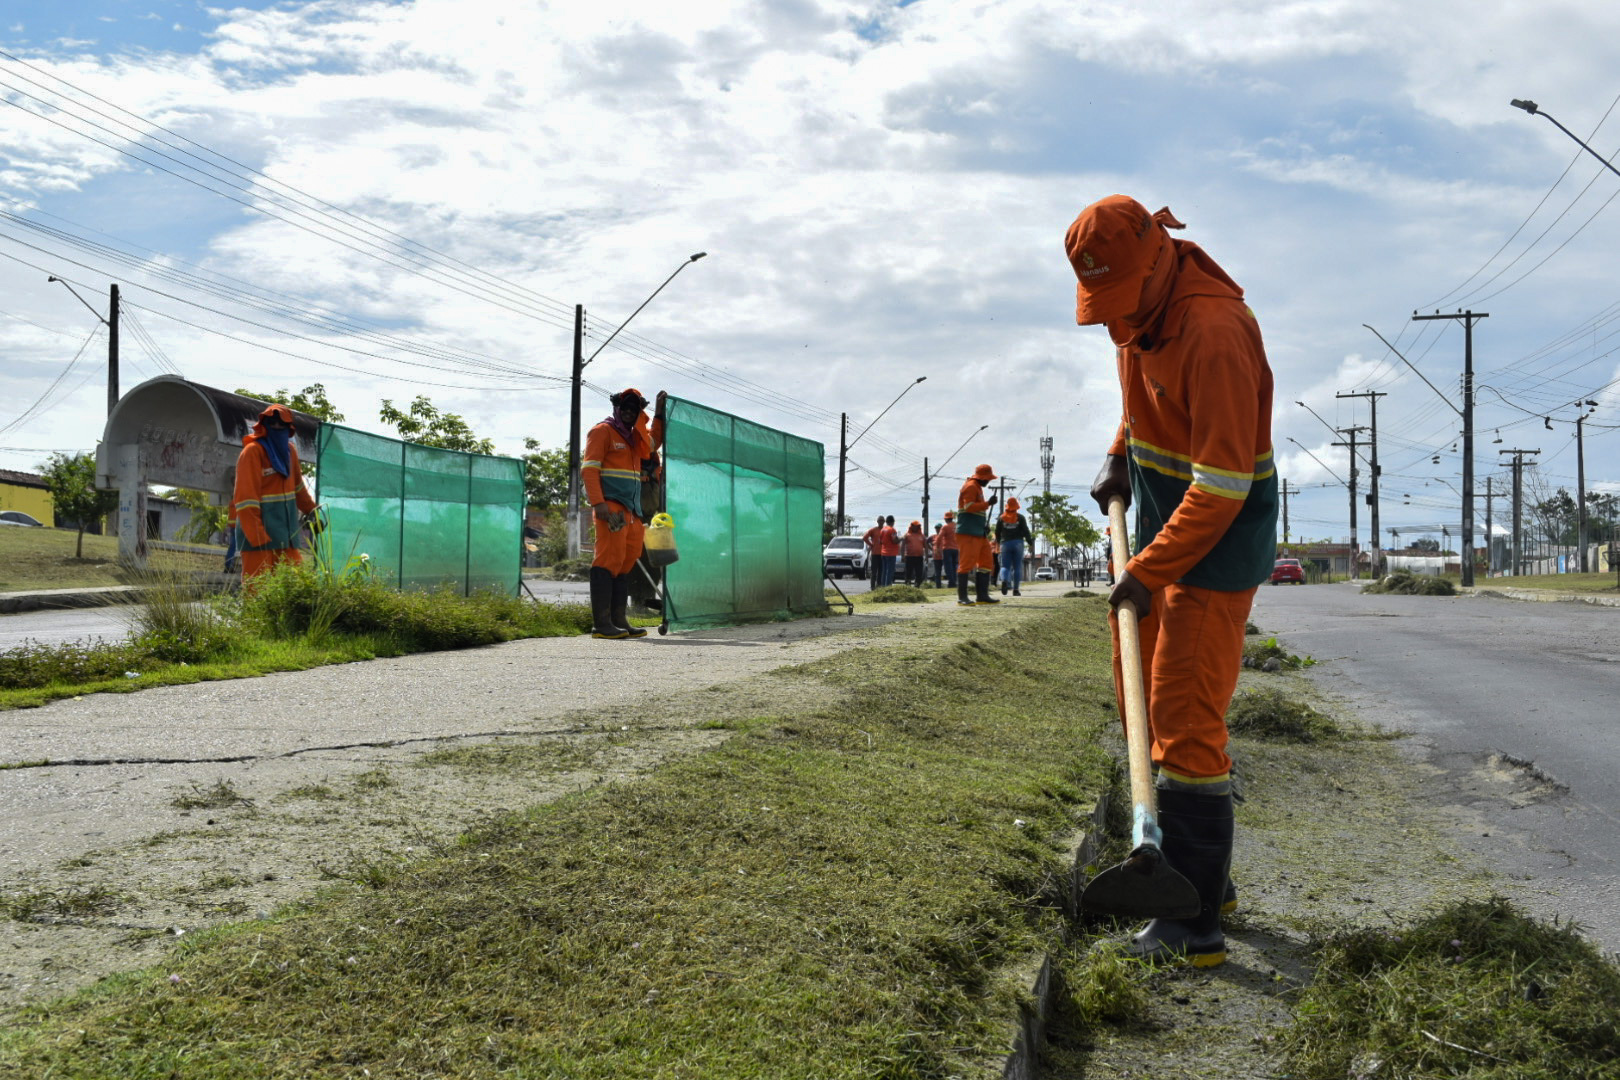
1372, 497
1047, 462
1351, 433
1518, 500
1580, 485
1285, 493
574, 524
926, 532
1490, 550
843, 451
112, 350
1468, 319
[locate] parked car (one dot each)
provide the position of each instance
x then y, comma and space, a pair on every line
1045, 573
17, 517
1288, 570
844, 555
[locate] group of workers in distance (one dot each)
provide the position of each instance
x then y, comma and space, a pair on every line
964, 545
1192, 451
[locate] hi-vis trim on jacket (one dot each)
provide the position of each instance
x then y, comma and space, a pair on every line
1223, 482
611, 467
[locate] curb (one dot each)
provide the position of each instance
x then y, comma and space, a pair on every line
1023, 1060
12, 603
1537, 596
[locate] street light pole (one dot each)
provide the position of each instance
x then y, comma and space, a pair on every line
579, 365
111, 323
843, 450
1535, 110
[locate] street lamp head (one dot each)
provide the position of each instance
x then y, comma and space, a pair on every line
921, 378
695, 258
53, 278
1527, 106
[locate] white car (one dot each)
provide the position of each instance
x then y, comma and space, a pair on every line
1045, 573
17, 517
844, 555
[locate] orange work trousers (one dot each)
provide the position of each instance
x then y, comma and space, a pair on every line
617, 552
1192, 651
255, 563
973, 554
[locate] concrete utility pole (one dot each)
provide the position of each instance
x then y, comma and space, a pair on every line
1518, 500
1490, 549
1047, 463
843, 451
1285, 493
1580, 485
1468, 318
926, 532
1352, 432
112, 348
1372, 496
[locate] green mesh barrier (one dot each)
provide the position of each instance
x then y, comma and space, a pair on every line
426, 517
747, 504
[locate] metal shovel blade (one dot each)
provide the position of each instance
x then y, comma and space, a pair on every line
1142, 887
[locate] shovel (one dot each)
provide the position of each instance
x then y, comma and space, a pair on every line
1143, 886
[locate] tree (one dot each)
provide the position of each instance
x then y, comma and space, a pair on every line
545, 476
206, 518
1062, 526
71, 480
1426, 543
1555, 518
311, 400
425, 425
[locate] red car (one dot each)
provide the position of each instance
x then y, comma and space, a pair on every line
1288, 570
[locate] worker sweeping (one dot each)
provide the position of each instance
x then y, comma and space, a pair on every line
270, 499
610, 472
1194, 450
973, 538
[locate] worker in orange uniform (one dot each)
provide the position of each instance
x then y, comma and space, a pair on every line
945, 550
270, 499
1194, 450
610, 471
973, 538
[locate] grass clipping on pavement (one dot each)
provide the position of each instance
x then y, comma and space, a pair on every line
828, 894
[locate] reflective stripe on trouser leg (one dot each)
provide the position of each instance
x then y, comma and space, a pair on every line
1192, 650
617, 552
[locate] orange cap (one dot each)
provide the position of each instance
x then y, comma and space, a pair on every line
629, 392
1112, 246
950, 515
983, 472
1012, 502
280, 412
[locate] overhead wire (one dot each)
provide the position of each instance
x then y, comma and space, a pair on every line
39, 402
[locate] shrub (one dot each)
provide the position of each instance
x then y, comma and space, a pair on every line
32, 665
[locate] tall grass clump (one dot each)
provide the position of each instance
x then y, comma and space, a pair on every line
178, 622
310, 602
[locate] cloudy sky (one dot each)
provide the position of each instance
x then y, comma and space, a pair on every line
402, 198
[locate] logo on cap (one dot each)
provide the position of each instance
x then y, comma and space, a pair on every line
1085, 257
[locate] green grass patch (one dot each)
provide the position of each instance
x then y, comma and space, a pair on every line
1406, 583
60, 905
1270, 714
828, 895
1476, 990
511, 757
220, 795
1560, 583
44, 559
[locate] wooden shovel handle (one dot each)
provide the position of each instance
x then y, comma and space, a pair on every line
1130, 663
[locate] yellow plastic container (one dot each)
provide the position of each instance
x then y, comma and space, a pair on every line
660, 541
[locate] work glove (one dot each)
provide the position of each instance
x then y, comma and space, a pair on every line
1113, 479
993, 500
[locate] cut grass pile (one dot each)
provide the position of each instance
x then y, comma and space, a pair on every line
1270, 714
296, 618
1406, 583
1267, 655
898, 594
828, 894
1476, 990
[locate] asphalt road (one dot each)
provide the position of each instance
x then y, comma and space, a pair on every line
1515, 705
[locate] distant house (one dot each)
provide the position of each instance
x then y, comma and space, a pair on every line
27, 492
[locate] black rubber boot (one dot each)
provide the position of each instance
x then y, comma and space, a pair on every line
621, 602
961, 591
1198, 845
1229, 898
982, 588
602, 605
